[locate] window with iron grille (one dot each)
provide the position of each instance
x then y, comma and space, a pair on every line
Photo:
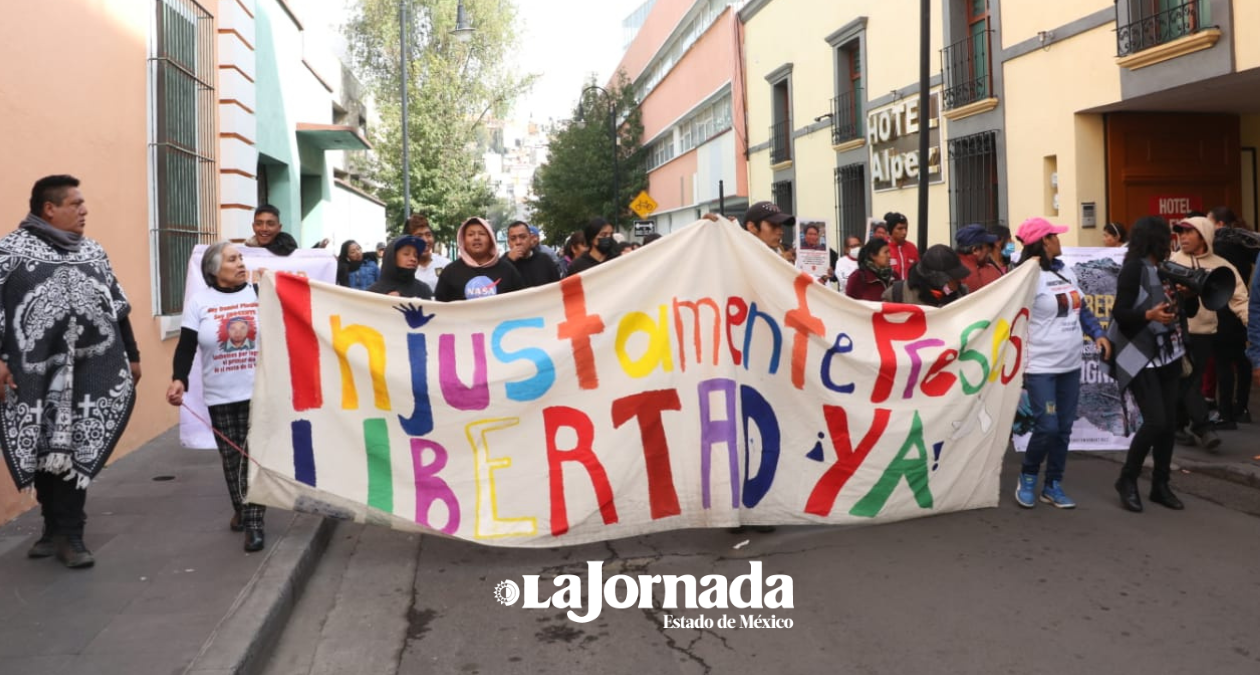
846, 107
851, 200
1153, 22
781, 195
973, 188
183, 143
781, 130
966, 64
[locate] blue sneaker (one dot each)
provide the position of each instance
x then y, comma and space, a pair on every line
1052, 493
1026, 491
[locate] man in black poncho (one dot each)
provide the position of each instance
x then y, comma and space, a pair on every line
70, 363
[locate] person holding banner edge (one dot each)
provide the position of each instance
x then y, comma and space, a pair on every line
1053, 375
1149, 330
227, 377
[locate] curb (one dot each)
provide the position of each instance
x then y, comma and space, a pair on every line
1220, 471
241, 642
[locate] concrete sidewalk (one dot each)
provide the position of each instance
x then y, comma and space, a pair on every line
172, 590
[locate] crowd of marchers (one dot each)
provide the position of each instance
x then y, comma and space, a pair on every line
69, 362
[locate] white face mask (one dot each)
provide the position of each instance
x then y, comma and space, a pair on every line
853, 252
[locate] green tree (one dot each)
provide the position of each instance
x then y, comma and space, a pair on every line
453, 88
576, 183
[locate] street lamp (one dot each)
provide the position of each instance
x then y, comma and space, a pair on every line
463, 32
612, 131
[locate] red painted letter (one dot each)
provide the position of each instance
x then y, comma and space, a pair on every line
887, 332
805, 324
555, 418
295, 305
578, 327
648, 407
848, 459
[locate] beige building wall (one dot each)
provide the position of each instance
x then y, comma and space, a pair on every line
1023, 20
1246, 52
892, 64
81, 108
1044, 131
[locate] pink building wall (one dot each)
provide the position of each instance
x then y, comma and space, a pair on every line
713, 61
73, 98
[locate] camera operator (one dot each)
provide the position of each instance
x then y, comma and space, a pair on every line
1195, 236
1148, 330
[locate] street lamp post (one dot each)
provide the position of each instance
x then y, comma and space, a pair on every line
612, 131
463, 32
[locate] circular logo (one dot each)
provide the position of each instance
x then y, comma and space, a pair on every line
480, 287
507, 593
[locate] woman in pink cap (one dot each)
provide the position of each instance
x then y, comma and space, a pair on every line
1053, 376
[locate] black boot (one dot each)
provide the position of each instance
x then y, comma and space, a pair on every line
45, 546
1127, 487
253, 539
1162, 494
72, 552
235, 523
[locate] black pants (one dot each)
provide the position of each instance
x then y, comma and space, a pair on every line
1194, 410
61, 503
232, 420
1233, 375
1155, 390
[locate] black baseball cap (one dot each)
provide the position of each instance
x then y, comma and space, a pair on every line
768, 211
940, 264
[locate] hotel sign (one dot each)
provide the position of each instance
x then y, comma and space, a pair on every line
892, 133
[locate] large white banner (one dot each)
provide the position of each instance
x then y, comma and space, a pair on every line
318, 264
655, 392
1100, 415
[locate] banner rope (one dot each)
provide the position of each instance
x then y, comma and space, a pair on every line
220, 434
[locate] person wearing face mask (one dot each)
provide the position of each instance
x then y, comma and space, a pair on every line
602, 246
1052, 378
1004, 248
479, 272
873, 275
975, 250
399, 263
934, 281
847, 264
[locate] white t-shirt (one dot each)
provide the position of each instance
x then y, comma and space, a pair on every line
429, 275
844, 267
1054, 330
227, 341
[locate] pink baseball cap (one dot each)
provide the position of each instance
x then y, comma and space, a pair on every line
1034, 229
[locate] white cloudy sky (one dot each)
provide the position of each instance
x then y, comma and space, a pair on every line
563, 41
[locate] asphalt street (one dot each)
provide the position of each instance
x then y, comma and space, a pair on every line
1005, 590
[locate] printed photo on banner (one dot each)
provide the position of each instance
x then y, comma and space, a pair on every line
610, 405
238, 328
812, 256
1100, 421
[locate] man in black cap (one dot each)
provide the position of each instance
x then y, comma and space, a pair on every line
975, 250
765, 220
936, 280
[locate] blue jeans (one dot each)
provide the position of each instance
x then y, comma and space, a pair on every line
1053, 398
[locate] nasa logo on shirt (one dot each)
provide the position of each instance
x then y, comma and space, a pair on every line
480, 287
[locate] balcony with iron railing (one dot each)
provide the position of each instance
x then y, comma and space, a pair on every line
968, 70
780, 142
846, 117
1157, 28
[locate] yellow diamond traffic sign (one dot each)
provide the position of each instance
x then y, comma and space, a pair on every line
643, 205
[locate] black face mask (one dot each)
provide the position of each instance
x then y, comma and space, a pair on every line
606, 245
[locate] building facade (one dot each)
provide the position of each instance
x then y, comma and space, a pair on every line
167, 110
685, 62
1082, 111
